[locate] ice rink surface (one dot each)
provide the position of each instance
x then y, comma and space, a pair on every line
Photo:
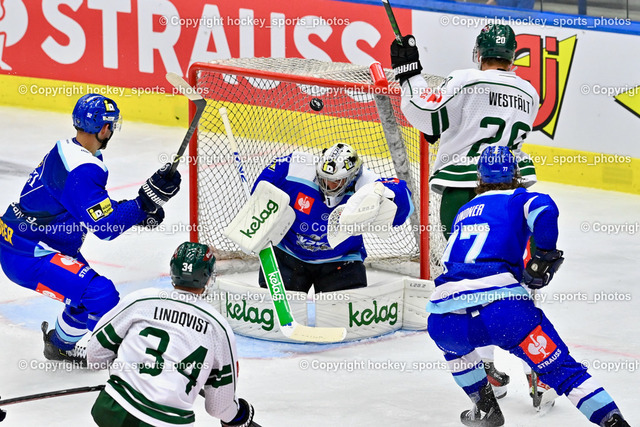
396, 380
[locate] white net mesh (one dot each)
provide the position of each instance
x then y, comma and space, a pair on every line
273, 113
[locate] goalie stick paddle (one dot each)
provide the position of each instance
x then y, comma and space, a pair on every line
288, 325
185, 89
392, 20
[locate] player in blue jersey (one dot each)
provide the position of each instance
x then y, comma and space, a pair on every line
316, 188
63, 199
463, 114
479, 299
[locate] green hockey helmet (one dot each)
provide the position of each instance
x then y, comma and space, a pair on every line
495, 41
192, 264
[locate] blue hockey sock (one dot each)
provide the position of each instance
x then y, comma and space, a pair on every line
71, 325
593, 401
468, 372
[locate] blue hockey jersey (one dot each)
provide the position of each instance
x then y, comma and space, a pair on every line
483, 258
295, 174
63, 199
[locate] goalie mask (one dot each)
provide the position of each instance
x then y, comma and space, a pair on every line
192, 265
495, 41
337, 171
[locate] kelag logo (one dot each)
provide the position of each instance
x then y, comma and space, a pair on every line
546, 64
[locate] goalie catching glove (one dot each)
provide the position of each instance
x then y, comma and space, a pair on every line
266, 217
541, 268
405, 59
369, 210
158, 189
364, 206
244, 417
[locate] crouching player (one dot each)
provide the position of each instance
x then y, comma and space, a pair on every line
317, 187
163, 348
64, 198
480, 301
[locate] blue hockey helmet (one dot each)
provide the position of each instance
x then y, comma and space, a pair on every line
93, 111
497, 164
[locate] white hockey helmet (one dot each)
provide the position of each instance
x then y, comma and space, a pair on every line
338, 168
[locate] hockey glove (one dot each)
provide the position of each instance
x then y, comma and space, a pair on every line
405, 60
159, 189
541, 268
244, 417
152, 220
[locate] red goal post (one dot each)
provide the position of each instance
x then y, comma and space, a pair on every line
274, 109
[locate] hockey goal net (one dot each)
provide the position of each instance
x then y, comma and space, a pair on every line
279, 105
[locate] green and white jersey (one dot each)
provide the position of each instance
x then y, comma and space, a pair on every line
162, 347
471, 110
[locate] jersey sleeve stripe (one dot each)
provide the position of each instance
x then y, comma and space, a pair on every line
164, 413
108, 338
104, 342
220, 377
435, 123
445, 118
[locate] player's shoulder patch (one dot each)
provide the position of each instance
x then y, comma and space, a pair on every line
73, 155
100, 210
302, 166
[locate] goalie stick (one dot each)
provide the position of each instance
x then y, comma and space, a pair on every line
184, 88
288, 325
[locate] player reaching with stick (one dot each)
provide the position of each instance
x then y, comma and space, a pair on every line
163, 348
64, 198
472, 109
479, 299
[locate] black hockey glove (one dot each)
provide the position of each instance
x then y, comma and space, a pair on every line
244, 417
405, 60
152, 220
159, 189
541, 268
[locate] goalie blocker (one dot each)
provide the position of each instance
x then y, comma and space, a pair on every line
266, 217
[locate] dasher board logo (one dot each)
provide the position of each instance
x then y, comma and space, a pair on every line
546, 63
304, 203
101, 210
14, 21
538, 346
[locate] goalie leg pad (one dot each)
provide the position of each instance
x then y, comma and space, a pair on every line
250, 312
416, 295
266, 217
366, 312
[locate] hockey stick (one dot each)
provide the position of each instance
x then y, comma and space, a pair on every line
50, 394
184, 88
546, 400
47, 395
288, 325
392, 20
